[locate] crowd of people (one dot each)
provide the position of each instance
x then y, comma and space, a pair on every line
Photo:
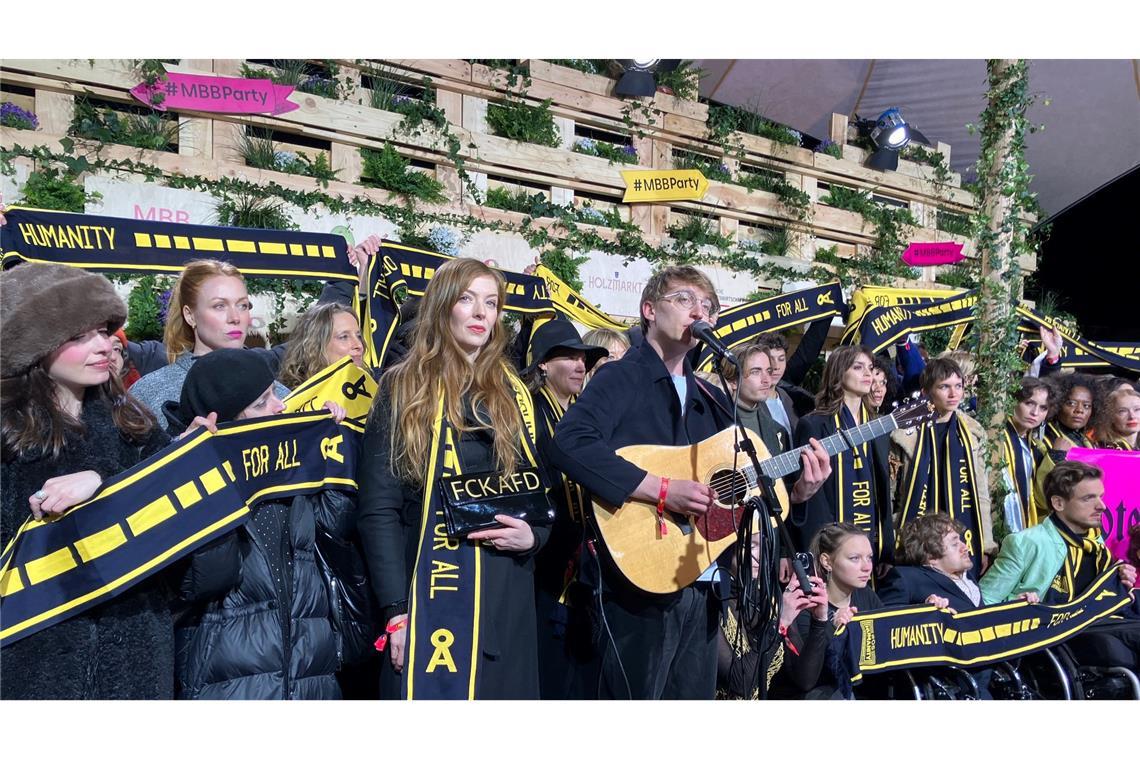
532, 610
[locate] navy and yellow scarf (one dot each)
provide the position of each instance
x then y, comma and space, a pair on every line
942, 479
572, 494
1021, 476
855, 483
1086, 557
1054, 431
446, 587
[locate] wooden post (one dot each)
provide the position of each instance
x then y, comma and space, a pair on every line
994, 301
55, 111
838, 131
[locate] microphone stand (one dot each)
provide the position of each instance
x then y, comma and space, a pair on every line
765, 504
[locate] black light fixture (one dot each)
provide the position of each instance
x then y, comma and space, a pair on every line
638, 75
889, 133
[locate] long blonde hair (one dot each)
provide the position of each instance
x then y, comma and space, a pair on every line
305, 355
178, 334
436, 361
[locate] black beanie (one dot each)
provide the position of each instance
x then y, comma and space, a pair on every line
225, 381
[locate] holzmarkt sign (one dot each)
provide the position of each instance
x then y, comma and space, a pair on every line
673, 185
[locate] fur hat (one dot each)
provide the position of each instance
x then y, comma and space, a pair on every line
42, 306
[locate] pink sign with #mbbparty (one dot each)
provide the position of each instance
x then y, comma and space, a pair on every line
196, 92
932, 254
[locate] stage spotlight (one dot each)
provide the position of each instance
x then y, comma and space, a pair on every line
638, 76
890, 133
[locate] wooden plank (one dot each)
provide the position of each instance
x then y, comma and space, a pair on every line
595, 84
451, 103
474, 114
54, 111
196, 137
565, 129
837, 132
347, 162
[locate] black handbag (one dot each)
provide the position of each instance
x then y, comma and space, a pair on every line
471, 500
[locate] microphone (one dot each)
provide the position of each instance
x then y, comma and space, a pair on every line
703, 331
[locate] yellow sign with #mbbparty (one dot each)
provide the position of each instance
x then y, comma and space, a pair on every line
673, 185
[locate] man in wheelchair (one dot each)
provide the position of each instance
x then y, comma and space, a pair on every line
1059, 558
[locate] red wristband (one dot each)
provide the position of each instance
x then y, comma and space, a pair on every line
382, 642
661, 529
788, 641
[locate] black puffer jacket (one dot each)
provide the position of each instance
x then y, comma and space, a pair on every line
256, 621
120, 649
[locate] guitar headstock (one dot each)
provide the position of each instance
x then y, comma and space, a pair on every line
913, 412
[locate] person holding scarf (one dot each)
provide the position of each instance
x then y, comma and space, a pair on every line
67, 426
1118, 426
324, 335
859, 489
1024, 453
257, 611
459, 613
1062, 556
562, 361
941, 464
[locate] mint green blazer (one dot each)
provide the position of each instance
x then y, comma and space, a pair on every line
1029, 560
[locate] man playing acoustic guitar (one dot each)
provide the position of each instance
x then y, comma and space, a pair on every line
663, 645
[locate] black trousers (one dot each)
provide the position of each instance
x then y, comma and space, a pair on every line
663, 648
1108, 643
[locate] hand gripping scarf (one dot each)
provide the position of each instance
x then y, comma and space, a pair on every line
443, 616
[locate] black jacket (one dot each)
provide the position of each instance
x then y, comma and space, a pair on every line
905, 585
823, 507
256, 619
120, 649
632, 401
389, 520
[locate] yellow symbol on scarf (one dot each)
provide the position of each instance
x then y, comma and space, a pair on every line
442, 640
330, 448
970, 541
824, 298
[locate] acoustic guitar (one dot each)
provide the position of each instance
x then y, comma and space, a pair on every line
661, 564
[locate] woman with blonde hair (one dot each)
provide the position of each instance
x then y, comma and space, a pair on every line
324, 334
615, 343
209, 309
459, 608
1118, 425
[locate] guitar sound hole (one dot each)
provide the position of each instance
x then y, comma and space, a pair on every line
730, 487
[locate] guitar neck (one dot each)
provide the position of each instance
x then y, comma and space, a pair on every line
789, 461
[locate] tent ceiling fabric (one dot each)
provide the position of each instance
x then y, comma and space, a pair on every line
1092, 126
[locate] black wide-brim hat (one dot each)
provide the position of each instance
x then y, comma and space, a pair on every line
560, 334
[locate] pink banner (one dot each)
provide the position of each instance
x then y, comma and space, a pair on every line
932, 254
1121, 493
196, 92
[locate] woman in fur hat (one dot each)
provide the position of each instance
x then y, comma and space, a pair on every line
68, 425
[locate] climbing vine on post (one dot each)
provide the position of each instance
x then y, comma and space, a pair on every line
1002, 229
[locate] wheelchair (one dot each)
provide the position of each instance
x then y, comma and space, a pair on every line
1053, 673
